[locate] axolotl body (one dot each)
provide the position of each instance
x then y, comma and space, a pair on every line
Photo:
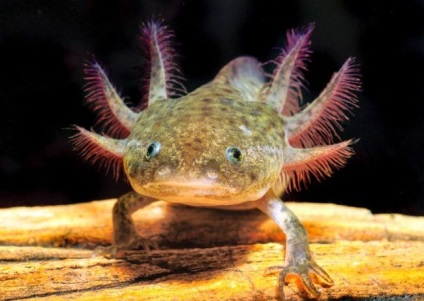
238, 142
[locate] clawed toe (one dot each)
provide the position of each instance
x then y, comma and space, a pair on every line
306, 273
137, 243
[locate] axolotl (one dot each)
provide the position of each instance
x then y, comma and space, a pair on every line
237, 142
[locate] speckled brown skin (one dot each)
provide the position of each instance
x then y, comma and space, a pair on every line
194, 133
235, 143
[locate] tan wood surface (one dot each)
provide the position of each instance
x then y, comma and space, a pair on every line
46, 254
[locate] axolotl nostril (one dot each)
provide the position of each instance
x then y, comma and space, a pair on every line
238, 142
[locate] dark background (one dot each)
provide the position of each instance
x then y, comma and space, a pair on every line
44, 45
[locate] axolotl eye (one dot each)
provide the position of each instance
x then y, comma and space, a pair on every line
234, 155
152, 150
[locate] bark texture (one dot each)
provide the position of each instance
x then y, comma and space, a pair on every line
46, 253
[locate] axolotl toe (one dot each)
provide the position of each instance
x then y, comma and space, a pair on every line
237, 142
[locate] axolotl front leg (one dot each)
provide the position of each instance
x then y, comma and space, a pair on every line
125, 235
298, 259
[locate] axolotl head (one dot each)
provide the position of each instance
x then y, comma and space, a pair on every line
210, 147
229, 141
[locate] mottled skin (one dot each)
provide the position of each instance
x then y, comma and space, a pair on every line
192, 167
235, 143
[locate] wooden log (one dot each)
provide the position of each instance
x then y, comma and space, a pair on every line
205, 254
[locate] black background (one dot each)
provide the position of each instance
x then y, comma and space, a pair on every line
44, 45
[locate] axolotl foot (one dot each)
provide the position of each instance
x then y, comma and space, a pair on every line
299, 261
303, 271
135, 243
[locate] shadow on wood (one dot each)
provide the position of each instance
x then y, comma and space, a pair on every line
205, 254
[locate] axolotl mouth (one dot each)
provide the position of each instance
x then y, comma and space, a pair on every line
199, 193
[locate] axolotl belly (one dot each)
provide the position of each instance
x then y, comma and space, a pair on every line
238, 142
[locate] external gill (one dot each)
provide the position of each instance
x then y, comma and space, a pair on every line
302, 163
316, 124
164, 75
114, 116
283, 92
106, 151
